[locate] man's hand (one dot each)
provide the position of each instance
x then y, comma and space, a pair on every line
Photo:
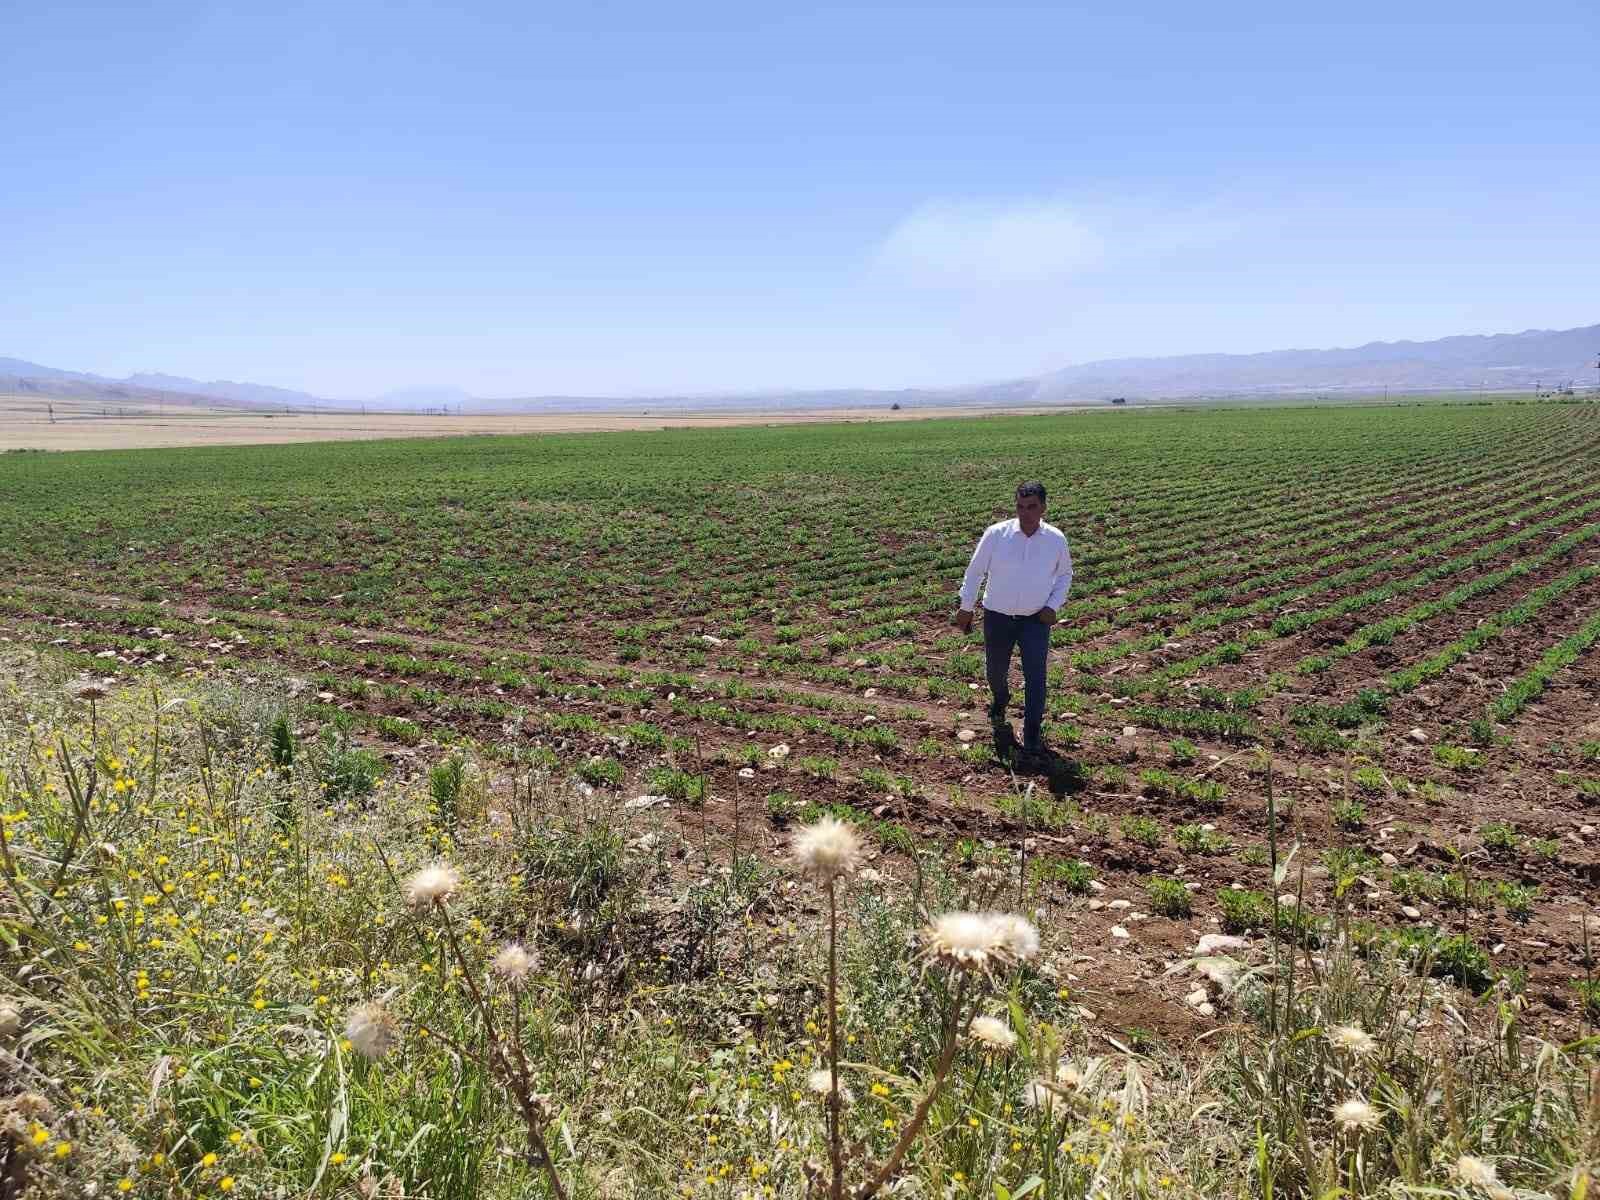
964, 620
1047, 616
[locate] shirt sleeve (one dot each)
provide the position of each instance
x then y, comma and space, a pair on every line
976, 569
1063, 579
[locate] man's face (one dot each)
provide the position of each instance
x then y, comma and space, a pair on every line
1030, 511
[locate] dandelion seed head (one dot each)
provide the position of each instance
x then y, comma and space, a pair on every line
512, 963
371, 1030
827, 849
1355, 1114
992, 1033
1353, 1038
820, 1081
432, 884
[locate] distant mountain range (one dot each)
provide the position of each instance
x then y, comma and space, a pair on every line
1505, 361
1497, 361
147, 387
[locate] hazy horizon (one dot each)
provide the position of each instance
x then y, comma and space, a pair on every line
632, 203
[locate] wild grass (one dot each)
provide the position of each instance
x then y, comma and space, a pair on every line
228, 972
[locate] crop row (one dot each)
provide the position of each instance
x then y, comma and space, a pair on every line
1526, 688
1382, 632
1293, 623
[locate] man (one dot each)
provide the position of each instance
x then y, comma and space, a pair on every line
1030, 572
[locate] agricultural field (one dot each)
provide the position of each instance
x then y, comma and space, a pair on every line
456, 817
1384, 617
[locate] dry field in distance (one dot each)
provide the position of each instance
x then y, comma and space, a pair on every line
25, 423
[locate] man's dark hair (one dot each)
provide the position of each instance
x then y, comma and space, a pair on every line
1032, 488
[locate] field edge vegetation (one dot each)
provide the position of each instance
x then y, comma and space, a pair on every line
249, 955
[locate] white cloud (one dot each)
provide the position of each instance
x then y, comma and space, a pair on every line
977, 244
984, 244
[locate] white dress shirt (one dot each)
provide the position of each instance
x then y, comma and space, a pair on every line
1025, 573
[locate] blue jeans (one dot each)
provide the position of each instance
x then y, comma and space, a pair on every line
1002, 634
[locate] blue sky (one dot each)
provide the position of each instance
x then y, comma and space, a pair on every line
630, 198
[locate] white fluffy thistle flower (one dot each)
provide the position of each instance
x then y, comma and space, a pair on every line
371, 1029
1353, 1038
512, 963
977, 941
963, 939
992, 1033
432, 885
1476, 1172
1018, 934
827, 849
1356, 1114
821, 1083
1038, 1095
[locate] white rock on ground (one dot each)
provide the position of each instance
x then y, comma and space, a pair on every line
1219, 969
1210, 943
